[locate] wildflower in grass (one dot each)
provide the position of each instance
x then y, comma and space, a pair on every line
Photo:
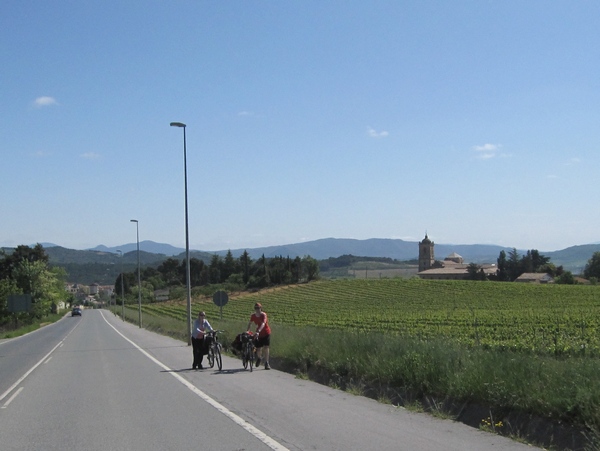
487, 424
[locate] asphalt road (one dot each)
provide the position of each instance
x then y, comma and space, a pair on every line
97, 383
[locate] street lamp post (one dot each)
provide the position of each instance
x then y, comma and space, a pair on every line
187, 239
137, 226
122, 288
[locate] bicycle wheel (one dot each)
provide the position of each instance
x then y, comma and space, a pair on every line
211, 356
245, 356
251, 358
218, 356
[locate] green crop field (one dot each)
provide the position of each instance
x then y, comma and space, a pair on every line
540, 319
525, 351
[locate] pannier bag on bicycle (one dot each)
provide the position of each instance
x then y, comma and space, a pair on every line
236, 345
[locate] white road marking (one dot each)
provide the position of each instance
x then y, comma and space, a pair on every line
15, 394
22, 378
270, 442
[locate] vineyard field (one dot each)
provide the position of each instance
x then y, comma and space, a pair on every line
540, 319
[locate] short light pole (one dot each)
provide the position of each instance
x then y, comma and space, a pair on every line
137, 226
122, 287
187, 239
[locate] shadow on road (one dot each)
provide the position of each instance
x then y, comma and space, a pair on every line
214, 371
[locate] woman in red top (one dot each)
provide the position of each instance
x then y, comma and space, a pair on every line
263, 332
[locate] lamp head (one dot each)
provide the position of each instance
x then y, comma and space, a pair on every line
177, 124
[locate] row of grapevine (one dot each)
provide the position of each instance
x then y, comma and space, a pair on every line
555, 319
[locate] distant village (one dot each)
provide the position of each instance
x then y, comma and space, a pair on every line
454, 268
451, 267
90, 295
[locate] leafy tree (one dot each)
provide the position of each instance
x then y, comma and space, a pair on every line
526, 263
279, 270
246, 264
198, 272
566, 278
296, 270
169, 270
7, 287
236, 280
311, 266
260, 274
156, 281
214, 270
537, 260
46, 286
238, 274
147, 292
550, 268
592, 268
475, 272
118, 285
149, 272
229, 266
472, 270
514, 265
511, 268
502, 274
21, 253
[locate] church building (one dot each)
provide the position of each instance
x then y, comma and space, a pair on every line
451, 268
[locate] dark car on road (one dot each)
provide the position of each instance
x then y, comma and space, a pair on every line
76, 312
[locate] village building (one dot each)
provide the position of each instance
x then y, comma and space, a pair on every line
451, 268
535, 277
94, 289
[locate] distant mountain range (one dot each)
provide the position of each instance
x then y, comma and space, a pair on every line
572, 258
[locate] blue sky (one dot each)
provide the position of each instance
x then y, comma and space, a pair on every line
474, 121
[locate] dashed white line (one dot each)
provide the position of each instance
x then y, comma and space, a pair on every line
22, 378
15, 394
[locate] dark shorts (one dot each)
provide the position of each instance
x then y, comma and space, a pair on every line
263, 341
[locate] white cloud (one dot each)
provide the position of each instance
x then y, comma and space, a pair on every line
375, 134
487, 151
487, 148
43, 101
90, 156
573, 161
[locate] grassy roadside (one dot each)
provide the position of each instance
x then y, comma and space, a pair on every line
52, 318
546, 401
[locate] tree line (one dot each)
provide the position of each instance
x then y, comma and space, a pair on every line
241, 273
513, 265
26, 271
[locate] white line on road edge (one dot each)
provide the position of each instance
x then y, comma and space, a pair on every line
12, 397
271, 443
12, 387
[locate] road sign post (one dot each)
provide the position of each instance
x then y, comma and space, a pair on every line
220, 298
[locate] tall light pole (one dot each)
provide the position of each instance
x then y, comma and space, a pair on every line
187, 240
137, 226
122, 287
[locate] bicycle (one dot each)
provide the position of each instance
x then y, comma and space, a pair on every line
248, 350
214, 350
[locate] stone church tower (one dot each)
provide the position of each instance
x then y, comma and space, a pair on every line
426, 257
